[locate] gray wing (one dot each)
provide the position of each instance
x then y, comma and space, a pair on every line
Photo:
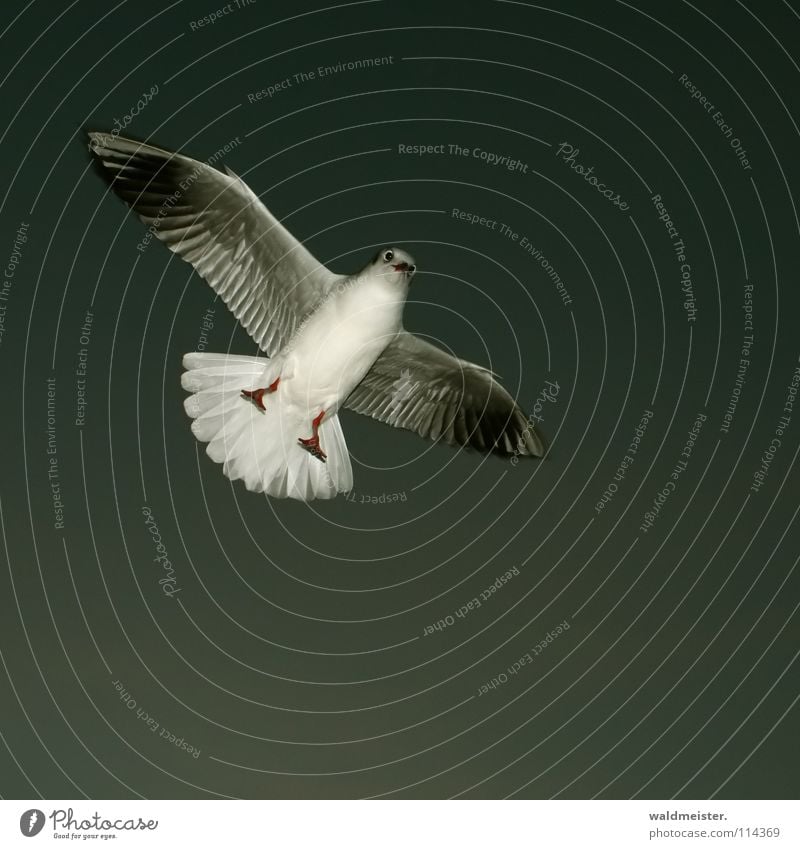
213, 220
417, 386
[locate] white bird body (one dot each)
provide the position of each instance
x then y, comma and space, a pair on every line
260, 446
276, 442
333, 350
330, 340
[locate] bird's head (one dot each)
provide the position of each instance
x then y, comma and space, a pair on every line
394, 264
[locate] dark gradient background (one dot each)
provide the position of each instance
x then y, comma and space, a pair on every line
294, 655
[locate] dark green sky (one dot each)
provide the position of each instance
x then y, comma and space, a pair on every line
295, 656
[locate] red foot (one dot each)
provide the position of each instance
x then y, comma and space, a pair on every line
312, 446
312, 443
257, 395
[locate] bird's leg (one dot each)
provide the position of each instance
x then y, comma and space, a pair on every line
312, 443
257, 395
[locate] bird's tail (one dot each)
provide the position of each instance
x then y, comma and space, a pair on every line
258, 446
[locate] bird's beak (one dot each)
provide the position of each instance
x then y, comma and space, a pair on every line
401, 266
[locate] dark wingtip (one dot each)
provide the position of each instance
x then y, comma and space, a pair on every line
541, 448
525, 437
91, 137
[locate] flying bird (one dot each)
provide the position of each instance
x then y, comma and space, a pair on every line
329, 340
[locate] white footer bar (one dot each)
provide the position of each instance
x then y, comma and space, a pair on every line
389, 824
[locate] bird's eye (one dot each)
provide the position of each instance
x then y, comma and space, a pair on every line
388, 256
412, 269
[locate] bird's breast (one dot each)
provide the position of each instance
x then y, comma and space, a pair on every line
337, 346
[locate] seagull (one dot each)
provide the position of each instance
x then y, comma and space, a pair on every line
328, 340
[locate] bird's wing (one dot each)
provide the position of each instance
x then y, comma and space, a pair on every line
213, 220
417, 386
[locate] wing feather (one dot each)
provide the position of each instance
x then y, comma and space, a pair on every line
417, 386
214, 221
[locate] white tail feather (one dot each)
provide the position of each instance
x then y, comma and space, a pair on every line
255, 446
